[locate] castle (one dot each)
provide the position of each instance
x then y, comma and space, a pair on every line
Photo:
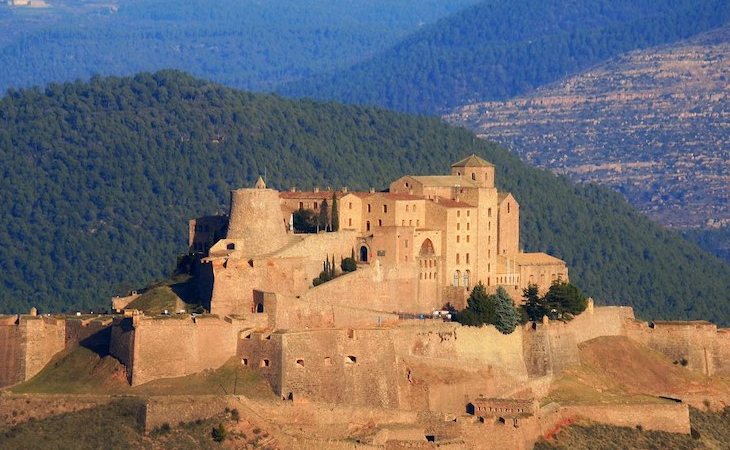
367, 338
432, 237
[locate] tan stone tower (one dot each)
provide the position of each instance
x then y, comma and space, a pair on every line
255, 220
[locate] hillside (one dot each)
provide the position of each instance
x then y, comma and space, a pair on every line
100, 178
651, 124
502, 48
251, 45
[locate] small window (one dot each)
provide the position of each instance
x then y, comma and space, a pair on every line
265, 363
367, 226
507, 207
418, 222
414, 208
350, 359
385, 209
467, 258
328, 361
467, 238
244, 361
489, 212
458, 226
349, 222
301, 205
380, 222
473, 176
300, 363
315, 205
369, 207
406, 243
231, 246
458, 213
458, 238
406, 208
350, 205
467, 213
457, 258
468, 226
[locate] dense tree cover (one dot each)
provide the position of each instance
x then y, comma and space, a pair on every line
246, 44
562, 297
496, 309
100, 178
501, 48
715, 240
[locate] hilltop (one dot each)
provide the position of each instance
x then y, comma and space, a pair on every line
100, 179
498, 49
649, 124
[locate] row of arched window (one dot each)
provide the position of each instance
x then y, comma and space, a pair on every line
464, 280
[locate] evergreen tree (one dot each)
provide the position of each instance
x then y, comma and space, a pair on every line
565, 297
324, 216
480, 307
335, 213
506, 316
534, 306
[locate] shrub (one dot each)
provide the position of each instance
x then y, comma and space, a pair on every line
348, 265
235, 415
219, 432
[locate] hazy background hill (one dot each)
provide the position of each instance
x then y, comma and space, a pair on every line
653, 124
100, 178
502, 48
247, 44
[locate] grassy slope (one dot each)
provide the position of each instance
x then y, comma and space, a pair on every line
82, 371
99, 179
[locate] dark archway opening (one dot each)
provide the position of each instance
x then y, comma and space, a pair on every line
363, 254
259, 307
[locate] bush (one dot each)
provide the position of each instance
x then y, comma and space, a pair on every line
235, 415
219, 433
348, 265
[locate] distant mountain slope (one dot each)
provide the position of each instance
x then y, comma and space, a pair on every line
100, 178
502, 48
246, 44
652, 124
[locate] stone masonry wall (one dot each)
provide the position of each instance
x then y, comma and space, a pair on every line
669, 417
44, 338
262, 352
356, 367
173, 409
12, 362
172, 347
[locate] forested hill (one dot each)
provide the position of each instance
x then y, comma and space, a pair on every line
245, 44
100, 178
501, 48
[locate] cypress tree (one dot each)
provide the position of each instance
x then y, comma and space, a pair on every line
335, 213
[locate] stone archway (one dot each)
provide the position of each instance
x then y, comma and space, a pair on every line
363, 253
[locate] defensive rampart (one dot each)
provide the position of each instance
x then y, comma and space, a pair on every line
27, 344
153, 348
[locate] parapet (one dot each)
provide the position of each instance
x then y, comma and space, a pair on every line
256, 222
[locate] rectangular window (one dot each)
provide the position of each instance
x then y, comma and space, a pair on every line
385, 209
467, 213
418, 222
349, 222
457, 238
406, 243
350, 205
301, 205
315, 205
457, 258
467, 226
467, 258
458, 226
458, 213
467, 238
368, 207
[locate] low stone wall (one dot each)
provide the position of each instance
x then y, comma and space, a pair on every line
173, 409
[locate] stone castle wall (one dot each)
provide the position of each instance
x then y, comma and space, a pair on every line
12, 360
262, 352
355, 367
172, 347
699, 345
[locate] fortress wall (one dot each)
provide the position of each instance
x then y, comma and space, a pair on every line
12, 361
44, 338
471, 346
550, 348
319, 246
374, 287
669, 417
121, 344
236, 279
255, 348
698, 343
361, 369
93, 333
173, 409
174, 347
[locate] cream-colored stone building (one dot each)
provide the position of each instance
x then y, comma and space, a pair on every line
437, 235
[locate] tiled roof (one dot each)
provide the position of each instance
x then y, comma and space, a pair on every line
536, 259
472, 161
449, 203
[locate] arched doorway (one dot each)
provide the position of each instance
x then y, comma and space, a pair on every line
363, 254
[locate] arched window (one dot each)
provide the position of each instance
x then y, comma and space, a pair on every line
467, 279
473, 176
457, 276
427, 248
367, 226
